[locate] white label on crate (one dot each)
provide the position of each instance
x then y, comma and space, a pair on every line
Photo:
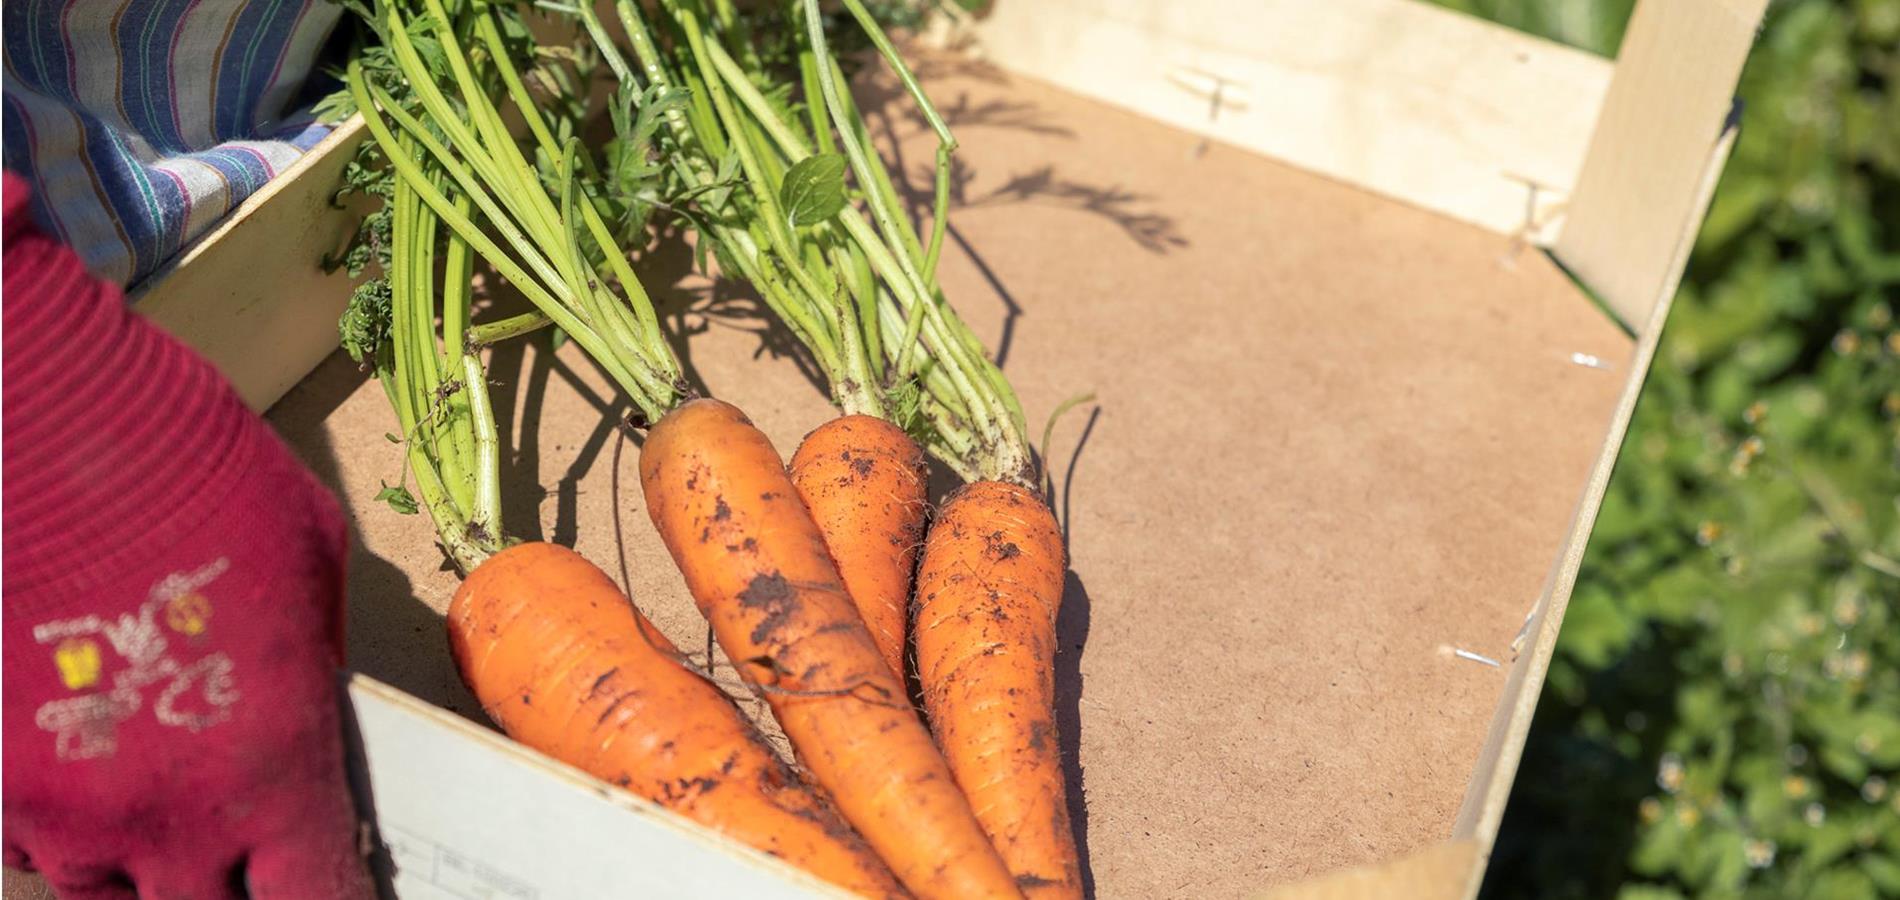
420, 860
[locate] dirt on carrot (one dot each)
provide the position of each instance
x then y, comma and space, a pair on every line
987, 595
758, 568
565, 664
864, 481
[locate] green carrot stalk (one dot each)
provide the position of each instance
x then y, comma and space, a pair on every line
459, 188
439, 391
833, 271
764, 187
543, 242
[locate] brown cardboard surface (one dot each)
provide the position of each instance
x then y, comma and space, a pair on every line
1336, 437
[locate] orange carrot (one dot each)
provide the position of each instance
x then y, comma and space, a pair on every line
565, 664
863, 480
757, 565
987, 594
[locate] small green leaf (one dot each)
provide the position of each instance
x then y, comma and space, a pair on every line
512, 27
399, 499
422, 38
334, 107
392, 437
813, 190
365, 321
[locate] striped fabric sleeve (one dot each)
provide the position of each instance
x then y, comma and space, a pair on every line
141, 123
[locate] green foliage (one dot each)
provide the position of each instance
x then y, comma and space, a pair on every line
1723, 716
813, 190
1594, 25
364, 326
634, 171
398, 498
369, 244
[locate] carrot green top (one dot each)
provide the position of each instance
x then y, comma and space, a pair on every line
845, 270
766, 189
551, 242
455, 176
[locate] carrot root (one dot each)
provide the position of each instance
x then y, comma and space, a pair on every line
864, 481
564, 663
987, 595
757, 565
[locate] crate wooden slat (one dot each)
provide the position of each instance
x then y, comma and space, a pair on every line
1650, 167
251, 294
1473, 120
468, 813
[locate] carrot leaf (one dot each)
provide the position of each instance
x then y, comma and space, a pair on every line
399, 499
364, 326
813, 190
634, 171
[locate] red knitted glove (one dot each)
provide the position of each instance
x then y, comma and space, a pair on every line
172, 609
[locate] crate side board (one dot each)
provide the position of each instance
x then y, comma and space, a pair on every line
462, 811
1483, 810
1642, 184
251, 294
1462, 117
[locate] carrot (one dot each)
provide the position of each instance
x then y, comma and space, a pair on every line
864, 481
565, 664
987, 595
757, 566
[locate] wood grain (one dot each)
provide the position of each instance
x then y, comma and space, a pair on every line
1642, 182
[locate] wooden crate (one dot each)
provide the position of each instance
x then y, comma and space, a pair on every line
1355, 427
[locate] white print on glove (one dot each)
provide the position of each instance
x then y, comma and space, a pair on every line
86, 726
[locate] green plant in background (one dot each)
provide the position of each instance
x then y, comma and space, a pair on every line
1723, 716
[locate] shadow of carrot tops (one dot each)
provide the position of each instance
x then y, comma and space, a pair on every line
1015, 115
898, 120
381, 602
939, 65
1151, 231
519, 372
395, 634
690, 303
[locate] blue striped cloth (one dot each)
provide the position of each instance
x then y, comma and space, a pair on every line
141, 123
